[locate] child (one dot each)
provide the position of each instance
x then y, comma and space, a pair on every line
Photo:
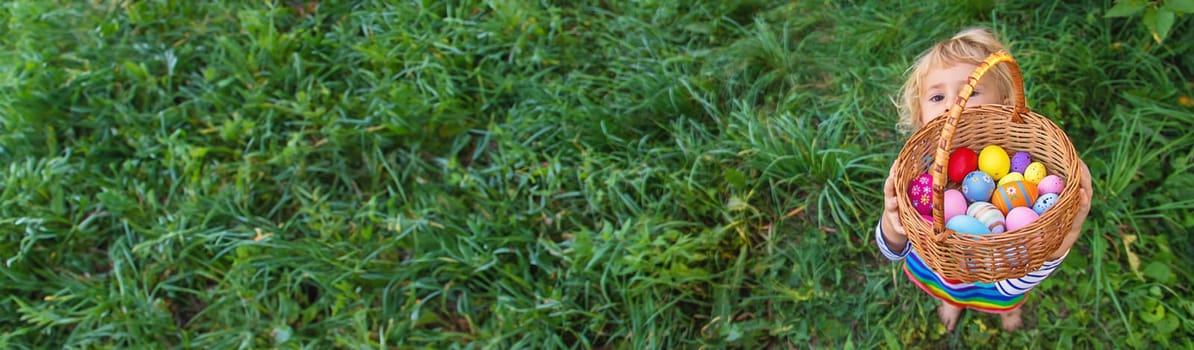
936, 78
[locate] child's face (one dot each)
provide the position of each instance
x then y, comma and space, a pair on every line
941, 87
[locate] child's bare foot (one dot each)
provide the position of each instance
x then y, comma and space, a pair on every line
1011, 320
949, 315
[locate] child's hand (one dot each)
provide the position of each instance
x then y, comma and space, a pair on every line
893, 231
1084, 194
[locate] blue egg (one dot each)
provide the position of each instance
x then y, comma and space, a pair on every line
978, 186
1045, 202
967, 224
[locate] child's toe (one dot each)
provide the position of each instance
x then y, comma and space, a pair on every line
1011, 321
949, 315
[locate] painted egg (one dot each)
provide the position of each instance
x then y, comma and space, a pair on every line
978, 186
1011, 177
1051, 184
967, 224
1046, 201
993, 161
1014, 194
1035, 173
928, 218
961, 162
1020, 162
955, 204
988, 214
920, 191
1020, 217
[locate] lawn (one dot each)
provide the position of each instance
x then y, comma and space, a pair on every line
557, 174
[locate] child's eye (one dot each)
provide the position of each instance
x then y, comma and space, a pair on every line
936, 98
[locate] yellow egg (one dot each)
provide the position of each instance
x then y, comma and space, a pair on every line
1011, 177
993, 160
1035, 172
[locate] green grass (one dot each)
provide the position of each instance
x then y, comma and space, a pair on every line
544, 174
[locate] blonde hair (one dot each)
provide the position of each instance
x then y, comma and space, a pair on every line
970, 46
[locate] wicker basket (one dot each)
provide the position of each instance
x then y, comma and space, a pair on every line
987, 258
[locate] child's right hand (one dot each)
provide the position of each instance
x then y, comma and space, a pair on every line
893, 231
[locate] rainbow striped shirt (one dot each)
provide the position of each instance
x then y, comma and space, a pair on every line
998, 297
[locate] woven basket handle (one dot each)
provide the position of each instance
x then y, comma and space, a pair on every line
945, 143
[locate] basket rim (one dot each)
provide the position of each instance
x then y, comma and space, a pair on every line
1069, 187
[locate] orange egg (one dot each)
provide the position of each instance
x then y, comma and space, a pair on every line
1014, 194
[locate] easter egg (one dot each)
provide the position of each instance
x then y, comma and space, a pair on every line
1035, 173
988, 214
1020, 162
1020, 217
1013, 194
920, 191
1045, 202
928, 218
967, 224
961, 162
955, 204
1011, 177
977, 186
993, 161
1050, 184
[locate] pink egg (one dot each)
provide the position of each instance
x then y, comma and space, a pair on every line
928, 218
955, 204
1019, 217
920, 192
1051, 184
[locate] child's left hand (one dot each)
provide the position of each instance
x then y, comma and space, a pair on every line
1084, 193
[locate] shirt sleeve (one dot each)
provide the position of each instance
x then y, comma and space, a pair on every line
1017, 286
882, 243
